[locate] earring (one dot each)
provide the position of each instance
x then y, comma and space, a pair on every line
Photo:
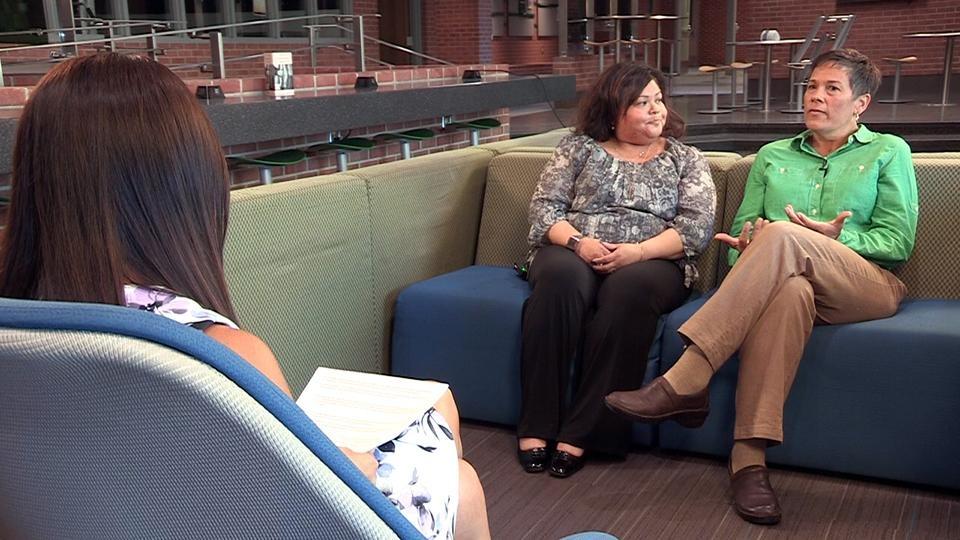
856, 116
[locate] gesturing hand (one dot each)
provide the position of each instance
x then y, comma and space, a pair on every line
619, 255
747, 234
589, 249
827, 228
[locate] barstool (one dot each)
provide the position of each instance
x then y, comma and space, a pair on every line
715, 71
343, 147
736, 67
897, 62
797, 85
760, 82
474, 126
405, 137
283, 158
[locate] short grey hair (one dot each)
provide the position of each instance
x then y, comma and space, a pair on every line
863, 74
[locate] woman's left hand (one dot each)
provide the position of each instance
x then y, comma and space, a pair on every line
620, 255
827, 228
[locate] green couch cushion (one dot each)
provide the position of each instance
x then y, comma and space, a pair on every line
425, 218
299, 270
931, 271
736, 182
546, 141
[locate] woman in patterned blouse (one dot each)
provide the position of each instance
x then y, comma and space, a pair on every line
618, 218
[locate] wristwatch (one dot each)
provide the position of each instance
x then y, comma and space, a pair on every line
574, 241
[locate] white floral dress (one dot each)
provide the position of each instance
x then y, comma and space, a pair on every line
418, 469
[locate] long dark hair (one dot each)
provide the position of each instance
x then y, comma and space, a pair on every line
616, 88
118, 177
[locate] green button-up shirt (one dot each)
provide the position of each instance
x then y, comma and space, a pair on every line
872, 176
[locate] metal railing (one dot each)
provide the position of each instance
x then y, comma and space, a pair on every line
218, 61
632, 43
361, 47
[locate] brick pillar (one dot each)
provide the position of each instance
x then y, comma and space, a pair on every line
459, 32
711, 42
371, 25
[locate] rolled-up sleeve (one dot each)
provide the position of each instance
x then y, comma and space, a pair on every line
696, 204
556, 188
889, 237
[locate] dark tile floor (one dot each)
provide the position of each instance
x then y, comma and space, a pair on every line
655, 494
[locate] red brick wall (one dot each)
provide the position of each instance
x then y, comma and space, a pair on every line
585, 67
877, 32
711, 26
524, 50
459, 32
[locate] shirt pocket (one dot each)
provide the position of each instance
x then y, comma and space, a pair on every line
855, 189
794, 185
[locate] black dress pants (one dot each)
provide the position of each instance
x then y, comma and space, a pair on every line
612, 321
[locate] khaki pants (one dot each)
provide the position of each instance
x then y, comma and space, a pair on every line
788, 279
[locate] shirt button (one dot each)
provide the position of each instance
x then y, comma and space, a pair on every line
817, 186
814, 211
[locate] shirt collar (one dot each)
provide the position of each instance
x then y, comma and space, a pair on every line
862, 135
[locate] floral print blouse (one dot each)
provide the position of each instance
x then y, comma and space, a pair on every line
622, 201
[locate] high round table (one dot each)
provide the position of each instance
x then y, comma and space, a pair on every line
947, 59
767, 62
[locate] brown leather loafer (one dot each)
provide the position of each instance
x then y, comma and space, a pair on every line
657, 402
753, 496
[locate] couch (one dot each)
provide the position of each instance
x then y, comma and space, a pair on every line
404, 268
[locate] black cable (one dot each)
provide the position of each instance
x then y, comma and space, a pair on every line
543, 87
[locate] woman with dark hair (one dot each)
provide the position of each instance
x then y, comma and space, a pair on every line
121, 195
618, 218
824, 217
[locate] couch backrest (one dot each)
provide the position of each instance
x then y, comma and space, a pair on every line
424, 219
314, 265
933, 270
298, 264
511, 179
934, 266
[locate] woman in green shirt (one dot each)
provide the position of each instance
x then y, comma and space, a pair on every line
824, 216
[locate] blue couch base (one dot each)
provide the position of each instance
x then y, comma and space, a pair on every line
463, 328
878, 398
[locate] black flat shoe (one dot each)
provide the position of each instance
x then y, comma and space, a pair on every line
533, 460
564, 464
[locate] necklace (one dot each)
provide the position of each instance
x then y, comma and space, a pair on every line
643, 155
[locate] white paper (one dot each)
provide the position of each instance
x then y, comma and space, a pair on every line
364, 410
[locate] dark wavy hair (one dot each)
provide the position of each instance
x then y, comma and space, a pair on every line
863, 74
118, 177
615, 90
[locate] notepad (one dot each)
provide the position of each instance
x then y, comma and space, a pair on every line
361, 411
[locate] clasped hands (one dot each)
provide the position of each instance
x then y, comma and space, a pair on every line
749, 232
606, 257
